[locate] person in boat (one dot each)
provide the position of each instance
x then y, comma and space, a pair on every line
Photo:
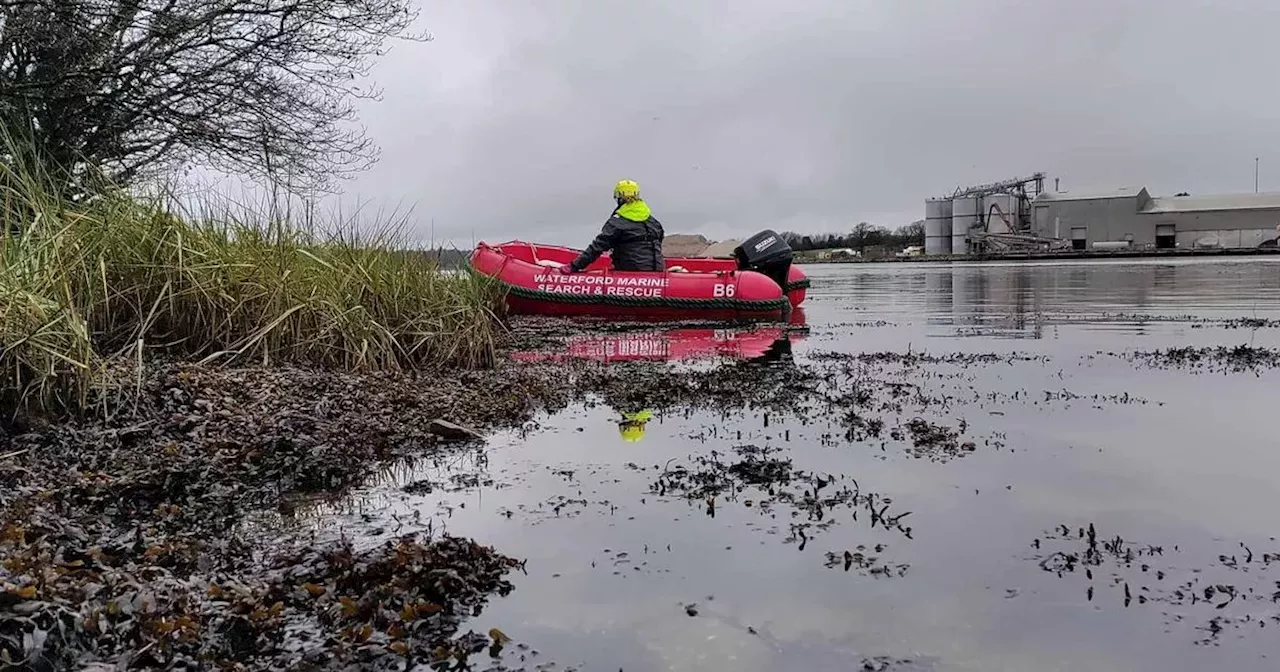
632, 233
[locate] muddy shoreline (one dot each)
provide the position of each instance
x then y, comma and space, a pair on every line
118, 534
115, 531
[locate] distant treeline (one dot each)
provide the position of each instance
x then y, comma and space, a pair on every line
864, 235
448, 258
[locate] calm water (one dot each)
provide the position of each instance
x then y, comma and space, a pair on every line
1162, 457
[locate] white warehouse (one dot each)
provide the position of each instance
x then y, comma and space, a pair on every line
1144, 221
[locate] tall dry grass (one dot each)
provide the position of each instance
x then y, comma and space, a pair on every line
87, 285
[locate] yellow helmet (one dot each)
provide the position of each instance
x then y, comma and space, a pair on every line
626, 190
631, 431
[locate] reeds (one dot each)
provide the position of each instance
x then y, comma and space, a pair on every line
87, 285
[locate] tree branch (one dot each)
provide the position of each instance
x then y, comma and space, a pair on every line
134, 85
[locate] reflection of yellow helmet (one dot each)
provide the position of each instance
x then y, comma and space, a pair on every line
631, 431
626, 190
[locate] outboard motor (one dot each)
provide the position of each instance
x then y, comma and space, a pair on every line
766, 253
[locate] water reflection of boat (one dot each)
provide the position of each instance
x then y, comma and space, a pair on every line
760, 342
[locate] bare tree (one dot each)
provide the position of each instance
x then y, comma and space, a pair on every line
865, 234
911, 234
128, 88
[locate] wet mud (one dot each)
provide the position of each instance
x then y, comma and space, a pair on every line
114, 531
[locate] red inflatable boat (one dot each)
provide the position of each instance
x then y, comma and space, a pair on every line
691, 288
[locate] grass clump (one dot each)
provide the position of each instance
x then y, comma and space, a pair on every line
89, 284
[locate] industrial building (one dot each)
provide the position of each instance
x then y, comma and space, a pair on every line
1019, 215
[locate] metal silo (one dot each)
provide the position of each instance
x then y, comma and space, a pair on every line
937, 226
1004, 217
964, 215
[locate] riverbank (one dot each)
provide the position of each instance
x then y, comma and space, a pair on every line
165, 368
118, 532
89, 289
118, 525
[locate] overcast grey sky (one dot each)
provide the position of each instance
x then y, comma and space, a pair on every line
810, 115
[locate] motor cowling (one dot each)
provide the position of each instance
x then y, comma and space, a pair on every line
766, 253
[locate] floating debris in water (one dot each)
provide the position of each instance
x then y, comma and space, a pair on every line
1140, 574
1237, 359
910, 358
936, 442
710, 480
864, 562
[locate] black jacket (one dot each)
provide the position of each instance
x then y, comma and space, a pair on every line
635, 237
